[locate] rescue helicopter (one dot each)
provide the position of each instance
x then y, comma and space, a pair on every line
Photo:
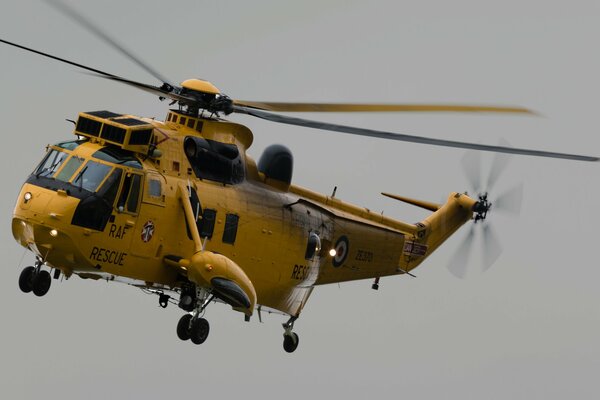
178, 208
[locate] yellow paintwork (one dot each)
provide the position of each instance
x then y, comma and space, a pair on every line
200, 85
267, 260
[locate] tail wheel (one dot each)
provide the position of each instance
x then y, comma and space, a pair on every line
41, 283
199, 331
290, 342
26, 279
183, 327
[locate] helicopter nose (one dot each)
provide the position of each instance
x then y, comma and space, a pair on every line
39, 215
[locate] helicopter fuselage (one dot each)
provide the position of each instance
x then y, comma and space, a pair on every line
102, 213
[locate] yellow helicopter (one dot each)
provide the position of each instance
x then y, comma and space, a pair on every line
177, 207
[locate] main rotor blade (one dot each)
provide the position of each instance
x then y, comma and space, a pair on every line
102, 74
344, 107
491, 247
97, 71
510, 201
404, 138
460, 259
90, 26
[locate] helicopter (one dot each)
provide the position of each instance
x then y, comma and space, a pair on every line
177, 207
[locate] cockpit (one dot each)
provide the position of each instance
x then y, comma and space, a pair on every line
102, 179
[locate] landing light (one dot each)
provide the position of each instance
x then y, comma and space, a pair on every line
332, 252
53, 233
27, 196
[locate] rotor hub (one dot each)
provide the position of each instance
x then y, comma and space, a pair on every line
482, 207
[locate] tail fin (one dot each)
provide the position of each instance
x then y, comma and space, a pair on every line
419, 203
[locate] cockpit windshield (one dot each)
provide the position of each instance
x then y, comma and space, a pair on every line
51, 163
62, 164
97, 179
91, 175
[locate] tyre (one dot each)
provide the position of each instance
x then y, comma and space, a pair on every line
183, 327
41, 283
199, 331
290, 342
26, 279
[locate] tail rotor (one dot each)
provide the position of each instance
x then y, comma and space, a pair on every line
508, 202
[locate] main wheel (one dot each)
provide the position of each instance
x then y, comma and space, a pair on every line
26, 279
41, 283
183, 327
199, 331
290, 342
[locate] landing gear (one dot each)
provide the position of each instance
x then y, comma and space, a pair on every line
192, 326
290, 342
26, 279
34, 279
199, 330
41, 283
195, 329
290, 339
184, 327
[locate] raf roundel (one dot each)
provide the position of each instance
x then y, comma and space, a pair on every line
147, 231
342, 247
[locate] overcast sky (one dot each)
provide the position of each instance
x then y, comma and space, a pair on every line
528, 328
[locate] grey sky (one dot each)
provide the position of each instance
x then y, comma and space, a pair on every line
528, 328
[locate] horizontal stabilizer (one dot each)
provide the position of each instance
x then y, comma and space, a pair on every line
419, 203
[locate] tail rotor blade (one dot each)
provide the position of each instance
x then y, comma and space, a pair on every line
510, 201
471, 163
498, 166
460, 259
491, 247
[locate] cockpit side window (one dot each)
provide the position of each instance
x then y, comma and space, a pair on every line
110, 187
134, 194
130, 194
91, 175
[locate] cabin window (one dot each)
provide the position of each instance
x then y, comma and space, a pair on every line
190, 123
69, 169
182, 120
154, 188
207, 224
130, 194
313, 246
91, 175
230, 231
